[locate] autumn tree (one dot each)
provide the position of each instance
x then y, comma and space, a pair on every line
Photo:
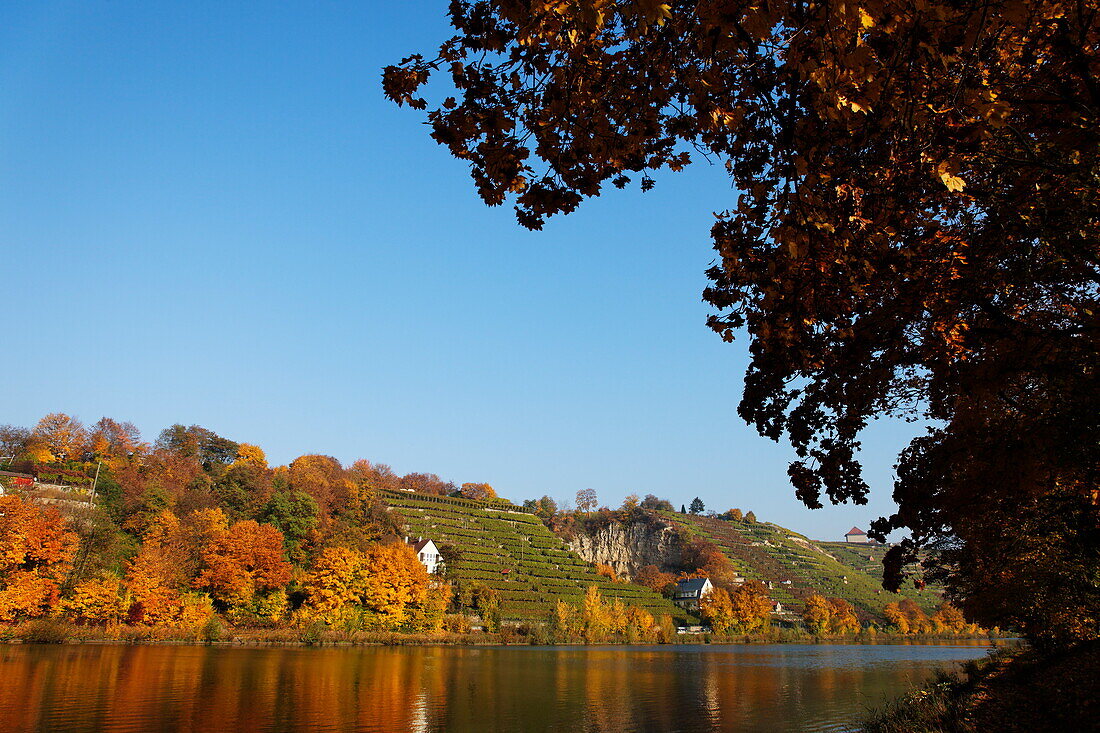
245, 570
596, 616
544, 507
36, 549
657, 504
426, 483
896, 617
157, 578
332, 586
97, 601
843, 617
607, 571
915, 230
717, 608
57, 437
113, 441
735, 515
325, 480
586, 500
478, 491
752, 608
817, 613
948, 618
653, 578
14, 441
393, 580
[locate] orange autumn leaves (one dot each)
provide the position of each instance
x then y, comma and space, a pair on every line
36, 550
186, 571
384, 581
746, 609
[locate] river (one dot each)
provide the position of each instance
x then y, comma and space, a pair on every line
780, 687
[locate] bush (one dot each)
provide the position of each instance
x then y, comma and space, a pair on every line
213, 630
47, 631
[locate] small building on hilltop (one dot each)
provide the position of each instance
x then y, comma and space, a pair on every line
856, 536
427, 553
691, 591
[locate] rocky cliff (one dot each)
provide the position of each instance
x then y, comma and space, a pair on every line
629, 547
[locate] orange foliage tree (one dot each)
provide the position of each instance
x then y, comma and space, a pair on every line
157, 579
324, 479
653, 578
96, 601
752, 608
36, 549
245, 570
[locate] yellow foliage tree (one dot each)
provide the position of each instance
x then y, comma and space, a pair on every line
752, 609
948, 618
96, 601
393, 579
332, 586
843, 617
717, 608
597, 620
817, 614
898, 619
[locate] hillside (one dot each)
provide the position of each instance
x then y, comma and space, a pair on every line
504, 547
796, 567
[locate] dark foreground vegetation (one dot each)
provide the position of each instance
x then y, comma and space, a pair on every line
1012, 690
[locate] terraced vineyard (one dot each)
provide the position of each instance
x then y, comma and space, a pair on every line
796, 567
508, 549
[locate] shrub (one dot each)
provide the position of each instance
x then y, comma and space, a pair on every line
46, 631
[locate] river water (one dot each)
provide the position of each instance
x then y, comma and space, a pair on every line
668, 688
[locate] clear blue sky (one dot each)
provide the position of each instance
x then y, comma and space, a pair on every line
210, 215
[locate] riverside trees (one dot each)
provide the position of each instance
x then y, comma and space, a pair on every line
915, 233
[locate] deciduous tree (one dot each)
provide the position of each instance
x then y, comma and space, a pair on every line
36, 549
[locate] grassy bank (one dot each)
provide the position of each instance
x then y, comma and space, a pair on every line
58, 631
1011, 690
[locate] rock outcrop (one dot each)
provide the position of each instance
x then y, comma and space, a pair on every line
629, 547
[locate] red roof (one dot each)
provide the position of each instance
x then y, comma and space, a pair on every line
855, 530
419, 545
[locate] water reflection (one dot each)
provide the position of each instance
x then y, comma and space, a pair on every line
765, 688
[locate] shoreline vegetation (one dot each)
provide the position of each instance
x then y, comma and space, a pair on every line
60, 631
1013, 689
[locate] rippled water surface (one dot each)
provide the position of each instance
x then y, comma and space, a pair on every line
678, 688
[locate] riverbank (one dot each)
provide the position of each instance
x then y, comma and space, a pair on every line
1011, 690
56, 631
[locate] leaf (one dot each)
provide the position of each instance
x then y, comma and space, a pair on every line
953, 182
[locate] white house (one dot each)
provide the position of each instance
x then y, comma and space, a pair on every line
427, 553
856, 535
690, 592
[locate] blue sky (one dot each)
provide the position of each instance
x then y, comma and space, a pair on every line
210, 215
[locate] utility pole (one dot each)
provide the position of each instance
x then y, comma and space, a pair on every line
95, 481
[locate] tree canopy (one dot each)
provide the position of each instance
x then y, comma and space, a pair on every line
914, 231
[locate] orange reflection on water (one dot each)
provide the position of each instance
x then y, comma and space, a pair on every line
140, 688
